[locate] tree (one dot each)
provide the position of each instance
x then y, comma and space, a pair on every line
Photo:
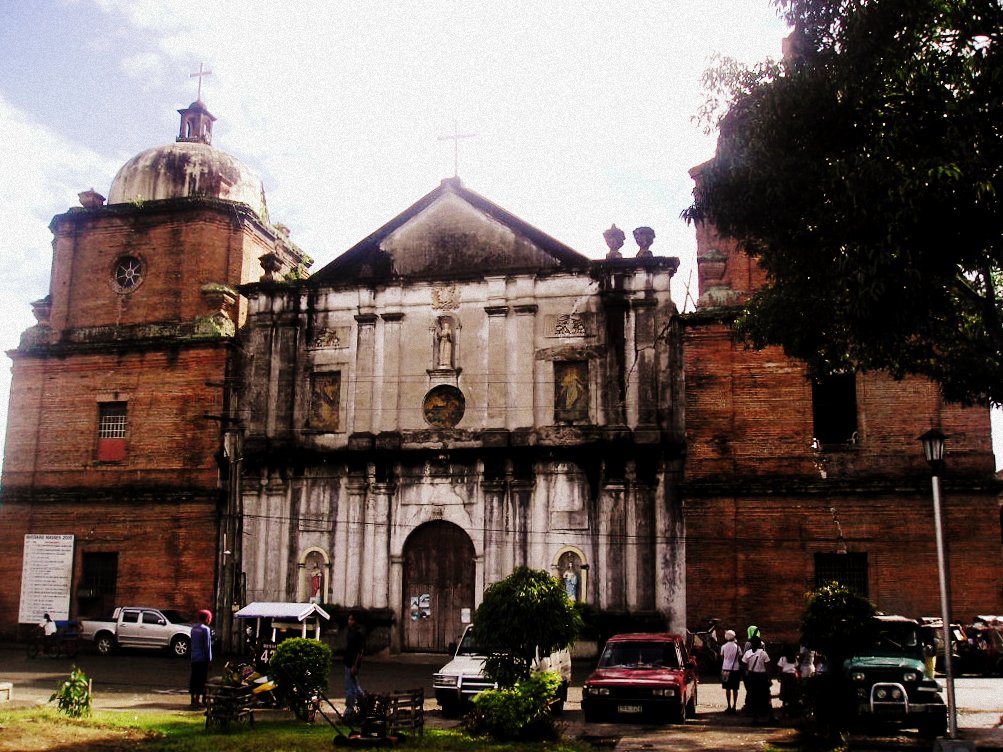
862, 171
836, 623
527, 612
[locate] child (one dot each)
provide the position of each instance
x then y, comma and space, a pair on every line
790, 680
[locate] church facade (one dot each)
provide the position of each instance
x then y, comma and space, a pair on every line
198, 421
456, 396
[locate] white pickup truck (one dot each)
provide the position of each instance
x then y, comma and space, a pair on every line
139, 627
457, 682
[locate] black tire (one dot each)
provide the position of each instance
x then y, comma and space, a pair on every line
450, 709
590, 716
105, 644
933, 726
33, 649
691, 706
181, 647
678, 714
71, 648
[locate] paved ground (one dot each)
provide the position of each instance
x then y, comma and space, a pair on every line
135, 681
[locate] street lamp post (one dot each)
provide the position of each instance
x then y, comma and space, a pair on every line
933, 448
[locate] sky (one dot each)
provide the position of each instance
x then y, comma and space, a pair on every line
582, 113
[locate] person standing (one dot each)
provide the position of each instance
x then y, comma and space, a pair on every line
790, 681
201, 653
355, 646
757, 676
731, 670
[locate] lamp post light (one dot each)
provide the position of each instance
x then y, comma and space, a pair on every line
933, 448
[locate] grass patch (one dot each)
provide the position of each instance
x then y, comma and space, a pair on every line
117, 731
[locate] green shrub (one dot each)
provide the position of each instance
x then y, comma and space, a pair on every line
526, 612
73, 696
300, 667
519, 712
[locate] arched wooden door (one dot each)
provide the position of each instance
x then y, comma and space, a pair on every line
439, 572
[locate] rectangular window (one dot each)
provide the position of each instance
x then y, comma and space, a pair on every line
834, 409
849, 570
111, 431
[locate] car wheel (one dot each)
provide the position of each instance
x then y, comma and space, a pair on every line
678, 714
33, 649
691, 707
450, 709
70, 648
590, 716
933, 727
181, 646
104, 644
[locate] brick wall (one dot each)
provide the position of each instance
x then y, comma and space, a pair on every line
165, 540
758, 508
52, 430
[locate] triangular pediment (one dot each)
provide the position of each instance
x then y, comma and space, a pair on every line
451, 233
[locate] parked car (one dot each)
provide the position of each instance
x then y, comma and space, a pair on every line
457, 682
642, 675
888, 683
139, 627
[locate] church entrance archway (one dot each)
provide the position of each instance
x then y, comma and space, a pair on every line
439, 571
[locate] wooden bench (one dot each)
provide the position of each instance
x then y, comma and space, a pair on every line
225, 705
406, 713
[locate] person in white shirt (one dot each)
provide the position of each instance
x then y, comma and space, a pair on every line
757, 662
731, 670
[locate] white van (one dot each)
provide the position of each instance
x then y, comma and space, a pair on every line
458, 681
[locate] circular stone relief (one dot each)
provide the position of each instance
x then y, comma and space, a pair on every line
443, 406
128, 273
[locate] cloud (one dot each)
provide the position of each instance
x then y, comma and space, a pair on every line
40, 177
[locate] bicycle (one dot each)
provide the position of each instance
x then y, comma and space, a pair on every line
55, 646
704, 645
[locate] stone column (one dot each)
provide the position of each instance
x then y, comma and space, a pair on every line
378, 548
494, 530
497, 352
390, 396
521, 367
362, 419
357, 498
396, 583
611, 588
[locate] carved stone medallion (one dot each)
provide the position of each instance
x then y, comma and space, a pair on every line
444, 406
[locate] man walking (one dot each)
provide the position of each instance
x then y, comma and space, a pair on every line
355, 646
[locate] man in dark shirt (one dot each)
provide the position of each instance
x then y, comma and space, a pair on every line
355, 646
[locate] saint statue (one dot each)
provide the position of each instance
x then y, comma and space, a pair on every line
444, 344
571, 582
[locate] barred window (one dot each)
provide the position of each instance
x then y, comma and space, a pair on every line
111, 431
849, 570
111, 423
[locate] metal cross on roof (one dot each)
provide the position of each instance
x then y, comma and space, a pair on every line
455, 138
200, 75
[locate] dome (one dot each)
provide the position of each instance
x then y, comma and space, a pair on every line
187, 168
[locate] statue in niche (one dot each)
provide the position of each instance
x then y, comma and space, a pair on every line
570, 566
314, 573
444, 349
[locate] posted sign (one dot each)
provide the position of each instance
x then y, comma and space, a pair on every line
46, 573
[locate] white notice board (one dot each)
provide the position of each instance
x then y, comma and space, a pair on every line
46, 572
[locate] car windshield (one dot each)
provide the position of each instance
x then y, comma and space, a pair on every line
175, 617
639, 655
896, 636
468, 646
